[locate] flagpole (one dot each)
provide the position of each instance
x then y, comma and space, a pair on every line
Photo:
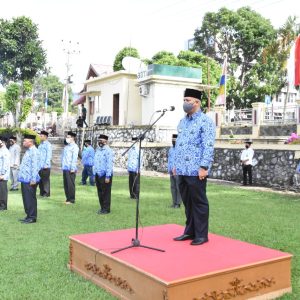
225, 76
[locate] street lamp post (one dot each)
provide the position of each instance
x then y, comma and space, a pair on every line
70, 48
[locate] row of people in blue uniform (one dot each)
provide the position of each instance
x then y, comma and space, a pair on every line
36, 165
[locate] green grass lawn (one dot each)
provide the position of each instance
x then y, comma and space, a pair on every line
34, 257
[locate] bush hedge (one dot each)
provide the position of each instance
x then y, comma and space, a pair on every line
7, 132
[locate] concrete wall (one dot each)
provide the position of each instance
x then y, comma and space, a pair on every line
236, 130
277, 130
273, 168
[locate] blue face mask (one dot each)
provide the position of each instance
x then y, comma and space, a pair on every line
187, 107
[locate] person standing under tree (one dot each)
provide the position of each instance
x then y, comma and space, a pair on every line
103, 170
29, 178
246, 161
15, 152
45, 150
4, 172
134, 169
69, 166
176, 197
194, 151
87, 160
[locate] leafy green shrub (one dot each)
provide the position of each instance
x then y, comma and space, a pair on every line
7, 132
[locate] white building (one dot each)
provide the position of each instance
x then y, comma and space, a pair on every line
133, 99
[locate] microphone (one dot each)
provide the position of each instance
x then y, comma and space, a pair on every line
171, 108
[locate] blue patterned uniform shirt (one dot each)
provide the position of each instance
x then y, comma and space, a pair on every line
103, 162
171, 158
194, 144
45, 150
30, 166
4, 162
69, 157
88, 155
133, 159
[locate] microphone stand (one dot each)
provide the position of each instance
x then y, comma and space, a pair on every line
135, 242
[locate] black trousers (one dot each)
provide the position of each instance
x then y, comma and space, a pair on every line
29, 200
69, 185
44, 184
134, 185
84, 121
104, 192
193, 194
3, 194
247, 170
87, 172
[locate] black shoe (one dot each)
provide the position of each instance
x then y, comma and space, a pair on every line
14, 189
29, 221
177, 206
104, 212
22, 220
99, 211
3, 208
183, 237
199, 241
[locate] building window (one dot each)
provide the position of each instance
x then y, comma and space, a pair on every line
98, 100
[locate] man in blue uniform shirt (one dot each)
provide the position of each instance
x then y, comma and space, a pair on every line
193, 157
176, 197
134, 168
45, 150
87, 160
4, 172
69, 166
103, 170
29, 178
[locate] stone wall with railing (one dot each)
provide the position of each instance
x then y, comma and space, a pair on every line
275, 168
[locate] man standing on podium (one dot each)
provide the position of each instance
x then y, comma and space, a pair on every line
194, 151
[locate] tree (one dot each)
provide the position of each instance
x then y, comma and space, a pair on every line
195, 60
51, 87
21, 52
21, 59
127, 51
12, 97
242, 36
164, 58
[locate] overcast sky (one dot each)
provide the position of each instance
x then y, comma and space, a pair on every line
100, 29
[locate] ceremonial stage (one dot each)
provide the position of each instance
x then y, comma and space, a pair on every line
223, 268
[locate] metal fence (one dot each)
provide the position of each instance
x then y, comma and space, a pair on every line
238, 117
280, 114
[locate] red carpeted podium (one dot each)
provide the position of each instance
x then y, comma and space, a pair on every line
221, 269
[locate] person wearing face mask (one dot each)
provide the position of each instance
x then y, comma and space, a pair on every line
87, 160
45, 150
29, 178
246, 161
134, 168
4, 172
103, 171
69, 166
194, 152
176, 197
15, 152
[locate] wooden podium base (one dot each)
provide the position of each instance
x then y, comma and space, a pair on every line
221, 269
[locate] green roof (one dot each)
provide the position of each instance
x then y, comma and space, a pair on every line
176, 71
